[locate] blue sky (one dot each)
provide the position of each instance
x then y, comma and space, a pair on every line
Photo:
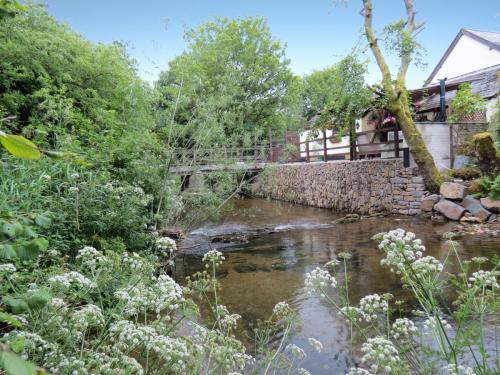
317, 32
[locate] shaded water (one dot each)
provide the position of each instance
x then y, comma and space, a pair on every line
271, 267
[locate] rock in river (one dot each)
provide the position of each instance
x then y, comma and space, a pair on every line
449, 209
491, 205
453, 190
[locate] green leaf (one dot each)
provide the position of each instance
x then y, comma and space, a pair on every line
43, 221
38, 299
15, 365
20, 147
16, 305
31, 249
17, 344
4, 317
7, 252
11, 229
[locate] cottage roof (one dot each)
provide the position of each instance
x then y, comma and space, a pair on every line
488, 38
485, 82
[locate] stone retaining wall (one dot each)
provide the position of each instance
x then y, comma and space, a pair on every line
363, 186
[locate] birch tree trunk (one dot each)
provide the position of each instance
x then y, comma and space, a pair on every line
397, 96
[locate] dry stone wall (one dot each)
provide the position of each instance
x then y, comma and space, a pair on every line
363, 186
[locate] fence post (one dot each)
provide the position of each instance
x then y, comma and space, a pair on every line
396, 141
325, 153
352, 150
307, 150
270, 145
452, 151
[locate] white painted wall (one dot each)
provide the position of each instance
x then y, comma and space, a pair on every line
491, 108
437, 138
467, 56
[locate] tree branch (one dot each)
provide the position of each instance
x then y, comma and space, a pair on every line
372, 41
410, 28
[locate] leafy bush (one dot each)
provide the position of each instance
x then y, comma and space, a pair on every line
466, 103
491, 187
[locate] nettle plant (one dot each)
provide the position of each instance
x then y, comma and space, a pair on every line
444, 339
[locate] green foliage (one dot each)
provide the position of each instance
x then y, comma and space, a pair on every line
466, 103
398, 39
348, 94
18, 236
491, 186
232, 83
19, 146
10, 8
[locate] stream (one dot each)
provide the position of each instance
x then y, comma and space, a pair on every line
277, 243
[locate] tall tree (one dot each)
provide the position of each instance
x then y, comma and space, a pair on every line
402, 39
233, 80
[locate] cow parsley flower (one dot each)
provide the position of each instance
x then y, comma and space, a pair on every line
213, 256
315, 344
427, 266
381, 353
358, 371
482, 279
85, 317
69, 279
132, 260
403, 328
281, 310
303, 371
400, 247
318, 279
433, 324
90, 257
452, 369
166, 244
371, 305
7, 268
296, 351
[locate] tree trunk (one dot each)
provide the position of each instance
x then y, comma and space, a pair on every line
487, 155
397, 97
417, 146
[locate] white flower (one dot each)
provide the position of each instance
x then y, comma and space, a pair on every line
358, 371
371, 305
164, 295
452, 369
303, 371
296, 351
166, 244
403, 328
75, 176
85, 317
315, 344
400, 247
434, 325
69, 279
90, 257
381, 354
73, 189
482, 279
213, 256
427, 265
7, 268
318, 279
281, 310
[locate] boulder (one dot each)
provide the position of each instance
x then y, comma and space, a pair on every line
478, 211
491, 205
428, 202
468, 201
453, 190
449, 209
469, 218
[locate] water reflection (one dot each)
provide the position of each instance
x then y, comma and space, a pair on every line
271, 268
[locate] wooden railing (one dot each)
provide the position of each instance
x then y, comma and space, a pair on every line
222, 155
354, 149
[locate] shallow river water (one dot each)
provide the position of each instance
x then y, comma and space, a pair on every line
271, 267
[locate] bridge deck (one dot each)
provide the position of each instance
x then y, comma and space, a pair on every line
236, 167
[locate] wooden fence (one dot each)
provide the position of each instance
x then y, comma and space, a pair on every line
356, 149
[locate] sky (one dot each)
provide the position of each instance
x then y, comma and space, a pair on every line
317, 33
